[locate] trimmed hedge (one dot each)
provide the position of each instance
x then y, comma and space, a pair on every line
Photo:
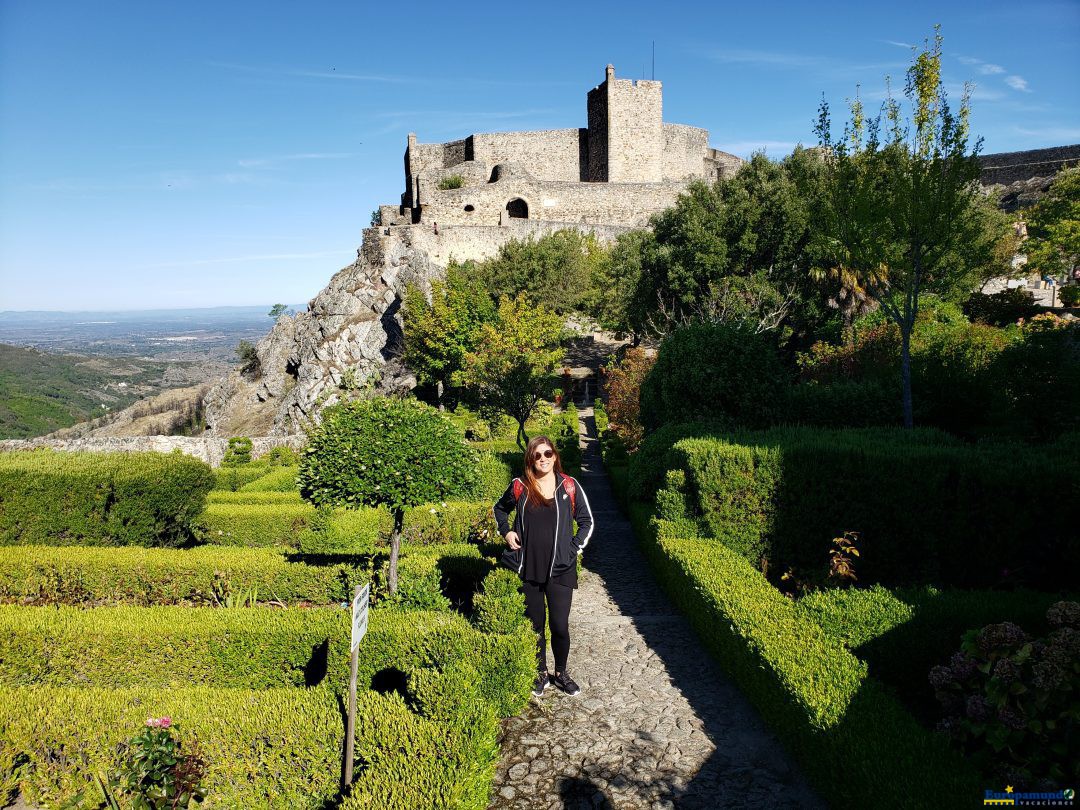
253, 498
100, 499
248, 648
807, 686
431, 690
255, 525
277, 479
920, 506
40, 575
263, 749
345, 531
231, 479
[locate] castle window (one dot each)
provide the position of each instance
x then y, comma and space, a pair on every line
470, 208
518, 209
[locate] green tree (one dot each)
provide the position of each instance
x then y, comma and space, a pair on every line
250, 364
900, 202
277, 310
440, 332
613, 279
553, 270
396, 453
1053, 245
512, 366
733, 251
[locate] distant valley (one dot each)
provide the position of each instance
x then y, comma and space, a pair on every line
60, 368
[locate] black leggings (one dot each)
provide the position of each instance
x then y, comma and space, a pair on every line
558, 616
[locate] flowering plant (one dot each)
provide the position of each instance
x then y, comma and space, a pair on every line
1011, 701
156, 773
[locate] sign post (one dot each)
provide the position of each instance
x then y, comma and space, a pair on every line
359, 627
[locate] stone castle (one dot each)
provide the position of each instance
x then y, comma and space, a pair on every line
626, 165
464, 200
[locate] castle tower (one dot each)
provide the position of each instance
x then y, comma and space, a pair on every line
625, 135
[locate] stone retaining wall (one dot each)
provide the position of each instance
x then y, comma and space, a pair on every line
212, 451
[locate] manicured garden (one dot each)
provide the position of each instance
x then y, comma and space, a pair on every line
147, 587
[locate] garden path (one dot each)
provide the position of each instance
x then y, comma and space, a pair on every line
657, 724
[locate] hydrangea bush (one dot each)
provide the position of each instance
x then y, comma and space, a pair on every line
1011, 701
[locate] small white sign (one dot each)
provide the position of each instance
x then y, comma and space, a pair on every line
359, 617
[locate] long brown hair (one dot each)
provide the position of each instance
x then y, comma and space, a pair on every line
531, 483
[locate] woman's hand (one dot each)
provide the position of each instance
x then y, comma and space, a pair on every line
513, 541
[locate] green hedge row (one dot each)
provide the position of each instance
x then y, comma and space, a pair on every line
102, 499
263, 749
231, 479
925, 512
253, 498
278, 479
853, 739
245, 648
431, 690
255, 525
42, 575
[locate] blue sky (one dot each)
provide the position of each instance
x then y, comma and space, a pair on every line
158, 154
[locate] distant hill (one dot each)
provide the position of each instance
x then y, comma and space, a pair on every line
42, 392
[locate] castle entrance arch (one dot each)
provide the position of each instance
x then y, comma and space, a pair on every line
517, 208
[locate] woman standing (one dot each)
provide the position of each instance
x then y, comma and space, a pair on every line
546, 502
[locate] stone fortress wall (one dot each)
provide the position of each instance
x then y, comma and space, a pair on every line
623, 167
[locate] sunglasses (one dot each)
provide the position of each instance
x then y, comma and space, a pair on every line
543, 454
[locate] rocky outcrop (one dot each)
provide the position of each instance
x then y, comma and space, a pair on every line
341, 344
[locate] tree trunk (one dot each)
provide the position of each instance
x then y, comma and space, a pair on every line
522, 437
439, 394
905, 375
395, 547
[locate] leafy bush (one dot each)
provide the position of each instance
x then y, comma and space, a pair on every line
172, 646
1010, 701
451, 181
238, 452
1070, 295
845, 404
624, 395
494, 475
344, 531
280, 456
397, 453
100, 499
1000, 308
231, 479
713, 371
277, 479
156, 773
255, 525
600, 417
37, 575
563, 431
647, 466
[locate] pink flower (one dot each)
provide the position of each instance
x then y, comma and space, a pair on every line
151, 722
165, 722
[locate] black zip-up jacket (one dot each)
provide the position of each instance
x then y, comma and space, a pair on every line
567, 544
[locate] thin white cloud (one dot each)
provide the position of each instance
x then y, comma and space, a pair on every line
1018, 83
907, 45
988, 69
1054, 133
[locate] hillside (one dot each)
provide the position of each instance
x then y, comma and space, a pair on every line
42, 392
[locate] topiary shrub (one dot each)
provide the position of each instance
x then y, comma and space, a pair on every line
386, 452
710, 371
1011, 701
238, 452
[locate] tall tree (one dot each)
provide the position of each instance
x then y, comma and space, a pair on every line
515, 357
729, 252
1053, 245
440, 332
900, 199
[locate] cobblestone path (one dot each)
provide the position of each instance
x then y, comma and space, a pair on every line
657, 724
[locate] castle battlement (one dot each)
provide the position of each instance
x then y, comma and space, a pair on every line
620, 169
